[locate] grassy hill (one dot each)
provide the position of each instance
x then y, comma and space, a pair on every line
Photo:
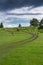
8, 36
30, 53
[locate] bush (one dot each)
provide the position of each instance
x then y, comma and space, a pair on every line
17, 29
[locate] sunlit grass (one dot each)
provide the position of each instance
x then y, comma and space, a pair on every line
30, 53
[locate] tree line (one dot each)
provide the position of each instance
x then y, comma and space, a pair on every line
34, 23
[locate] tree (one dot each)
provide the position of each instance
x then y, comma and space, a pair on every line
41, 24
34, 22
17, 29
1, 25
19, 25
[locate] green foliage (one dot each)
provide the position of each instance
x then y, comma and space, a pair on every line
34, 22
17, 29
1, 25
41, 31
41, 24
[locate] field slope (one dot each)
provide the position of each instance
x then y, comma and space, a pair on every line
30, 53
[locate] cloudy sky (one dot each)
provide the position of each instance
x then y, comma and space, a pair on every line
14, 11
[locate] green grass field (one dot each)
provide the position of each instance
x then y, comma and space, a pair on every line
10, 36
30, 53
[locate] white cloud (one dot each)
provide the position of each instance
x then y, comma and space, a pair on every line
21, 10
37, 10
10, 25
27, 10
33, 12
30, 11
14, 25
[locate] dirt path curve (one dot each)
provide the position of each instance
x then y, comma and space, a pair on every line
8, 47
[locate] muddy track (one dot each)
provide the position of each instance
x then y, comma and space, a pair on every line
8, 47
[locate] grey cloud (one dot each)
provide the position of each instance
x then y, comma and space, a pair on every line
11, 4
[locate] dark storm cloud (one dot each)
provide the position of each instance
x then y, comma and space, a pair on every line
11, 4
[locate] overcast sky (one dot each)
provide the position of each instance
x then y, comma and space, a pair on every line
20, 9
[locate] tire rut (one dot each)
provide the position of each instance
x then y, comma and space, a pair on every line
6, 48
